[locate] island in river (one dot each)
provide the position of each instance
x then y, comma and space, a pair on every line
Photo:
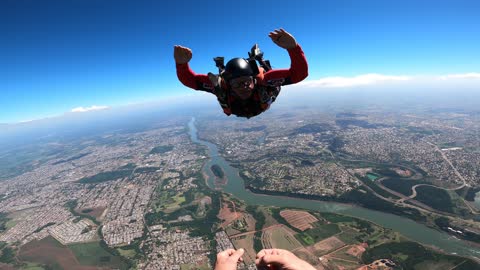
220, 178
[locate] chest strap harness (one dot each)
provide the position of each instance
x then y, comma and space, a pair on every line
264, 93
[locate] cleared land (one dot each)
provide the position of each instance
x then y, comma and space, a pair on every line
93, 254
228, 213
246, 242
299, 219
50, 252
279, 237
327, 245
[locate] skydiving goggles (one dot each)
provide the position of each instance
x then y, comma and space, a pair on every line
242, 82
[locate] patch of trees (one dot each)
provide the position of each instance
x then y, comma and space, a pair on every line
258, 128
435, 197
260, 221
147, 169
444, 224
72, 204
44, 226
312, 128
7, 255
407, 255
336, 144
105, 176
368, 200
3, 222
161, 149
401, 185
468, 193
71, 159
217, 171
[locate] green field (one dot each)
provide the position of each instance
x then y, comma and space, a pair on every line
335, 218
32, 266
281, 239
93, 254
349, 236
306, 239
174, 202
318, 233
127, 253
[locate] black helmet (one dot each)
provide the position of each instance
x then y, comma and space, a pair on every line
237, 67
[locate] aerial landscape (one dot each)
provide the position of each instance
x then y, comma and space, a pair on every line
349, 141
157, 197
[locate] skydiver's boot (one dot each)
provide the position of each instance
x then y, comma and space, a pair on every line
220, 64
257, 54
215, 79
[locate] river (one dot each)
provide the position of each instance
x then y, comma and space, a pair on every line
414, 231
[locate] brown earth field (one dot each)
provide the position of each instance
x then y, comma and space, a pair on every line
299, 219
344, 258
327, 245
49, 252
227, 214
357, 250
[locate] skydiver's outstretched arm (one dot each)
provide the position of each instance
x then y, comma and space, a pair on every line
298, 69
182, 56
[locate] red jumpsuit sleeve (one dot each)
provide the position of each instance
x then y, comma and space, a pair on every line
190, 79
298, 69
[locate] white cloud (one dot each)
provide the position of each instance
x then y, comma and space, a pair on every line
471, 75
375, 79
360, 80
88, 109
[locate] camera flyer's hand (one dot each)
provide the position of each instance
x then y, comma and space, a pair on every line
280, 259
228, 259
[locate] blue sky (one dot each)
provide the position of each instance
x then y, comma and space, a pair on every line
59, 55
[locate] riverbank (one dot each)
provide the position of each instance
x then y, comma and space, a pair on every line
405, 226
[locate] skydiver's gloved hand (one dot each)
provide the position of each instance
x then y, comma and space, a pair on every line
181, 54
228, 259
280, 259
283, 39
